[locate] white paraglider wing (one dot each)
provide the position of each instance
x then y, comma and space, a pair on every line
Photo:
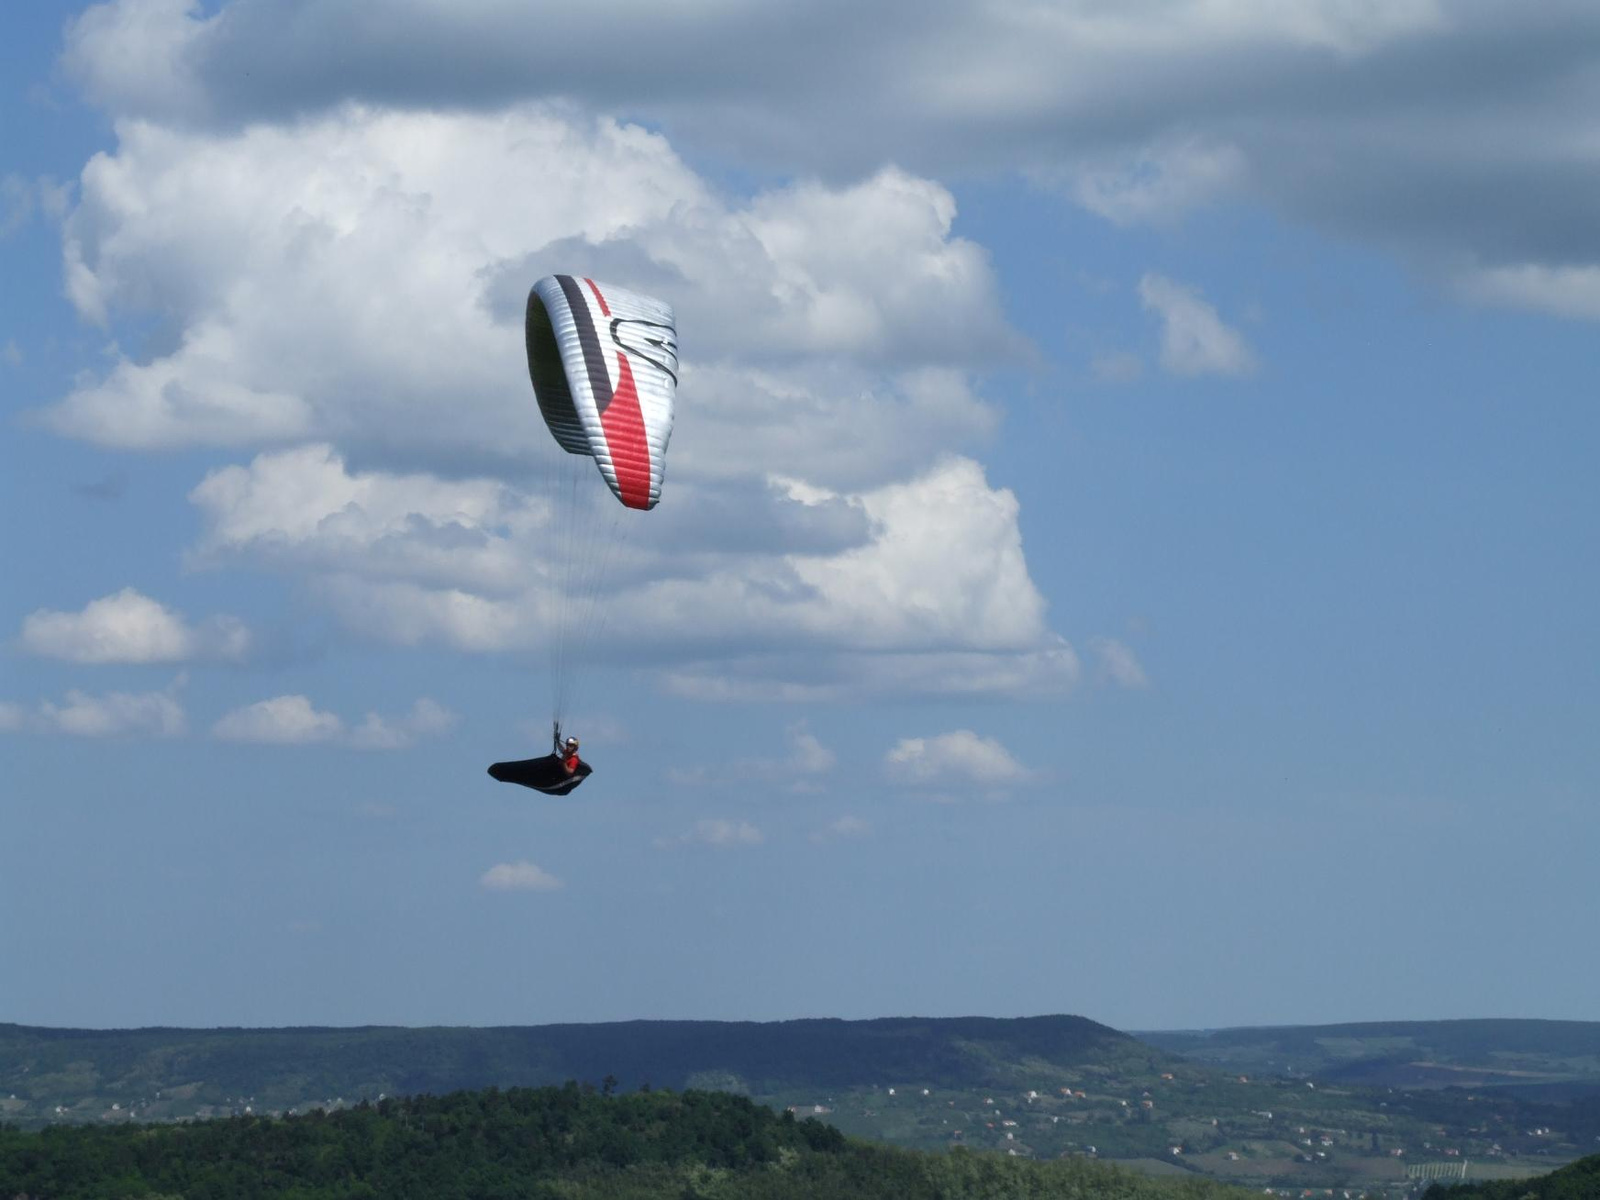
604, 365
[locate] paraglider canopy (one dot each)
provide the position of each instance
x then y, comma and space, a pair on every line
604, 365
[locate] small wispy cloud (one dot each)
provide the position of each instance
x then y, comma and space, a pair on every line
519, 877
1116, 366
1159, 183
102, 715
111, 714
1564, 290
18, 199
801, 770
960, 754
280, 721
949, 765
112, 487
426, 719
1194, 339
295, 721
1117, 664
718, 832
844, 829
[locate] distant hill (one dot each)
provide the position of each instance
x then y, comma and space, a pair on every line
1539, 1059
166, 1073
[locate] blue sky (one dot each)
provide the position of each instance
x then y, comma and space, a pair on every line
1126, 546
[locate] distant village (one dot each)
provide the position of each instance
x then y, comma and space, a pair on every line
1164, 1129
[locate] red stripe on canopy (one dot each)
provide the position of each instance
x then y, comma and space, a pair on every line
625, 438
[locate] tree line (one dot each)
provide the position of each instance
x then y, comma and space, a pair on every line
1575, 1181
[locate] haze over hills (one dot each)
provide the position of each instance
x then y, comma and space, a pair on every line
1547, 1058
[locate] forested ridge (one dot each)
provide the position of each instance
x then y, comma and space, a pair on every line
83, 1070
571, 1142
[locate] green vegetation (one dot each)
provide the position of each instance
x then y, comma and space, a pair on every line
1577, 1181
566, 1143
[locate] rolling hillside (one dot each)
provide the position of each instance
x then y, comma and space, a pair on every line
1039, 1088
1559, 1058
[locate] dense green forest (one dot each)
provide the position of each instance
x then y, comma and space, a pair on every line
553, 1143
1576, 1181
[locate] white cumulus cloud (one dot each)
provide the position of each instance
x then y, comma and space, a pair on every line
129, 627
305, 510
1415, 125
921, 584
344, 288
937, 600
301, 319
